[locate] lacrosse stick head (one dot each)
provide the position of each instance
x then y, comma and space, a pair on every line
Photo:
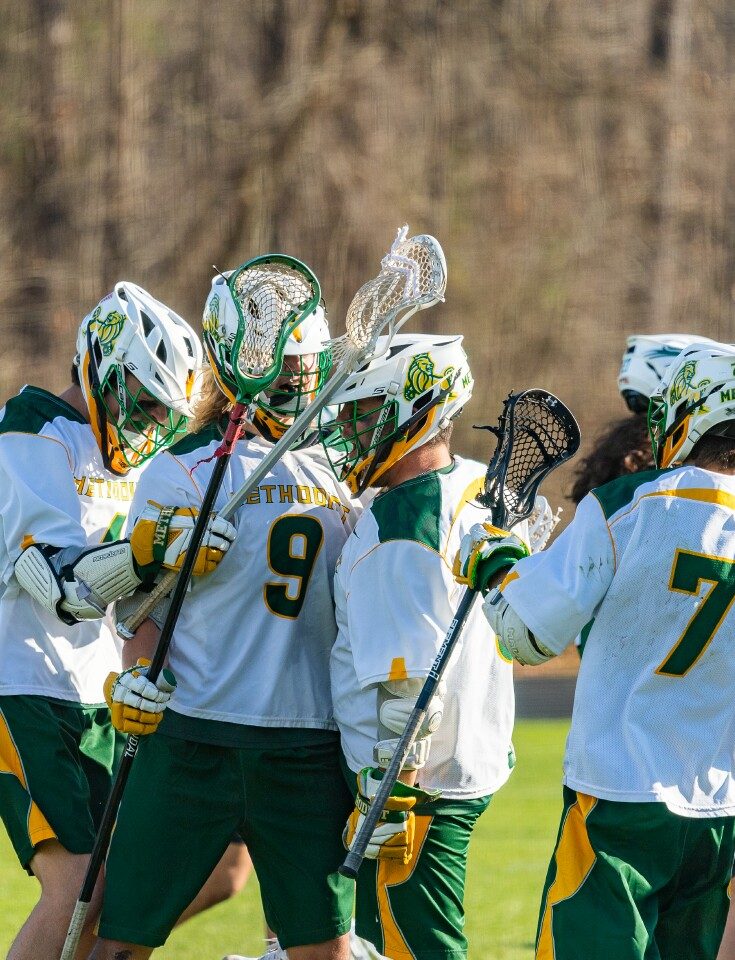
248, 318
413, 276
536, 433
413, 387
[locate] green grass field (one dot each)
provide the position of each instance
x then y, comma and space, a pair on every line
508, 859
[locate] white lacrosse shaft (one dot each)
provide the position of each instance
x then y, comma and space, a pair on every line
422, 285
74, 933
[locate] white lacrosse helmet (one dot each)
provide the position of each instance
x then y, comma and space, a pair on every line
645, 361
696, 396
275, 409
129, 331
423, 381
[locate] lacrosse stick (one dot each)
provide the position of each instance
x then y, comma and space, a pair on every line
535, 434
413, 277
287, 292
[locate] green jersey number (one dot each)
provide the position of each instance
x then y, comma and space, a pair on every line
688, 573
294, 542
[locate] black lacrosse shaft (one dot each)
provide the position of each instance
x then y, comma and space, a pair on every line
356, 855
104, 831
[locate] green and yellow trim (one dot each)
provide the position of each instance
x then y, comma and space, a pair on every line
390, 873
575, 859
11, 764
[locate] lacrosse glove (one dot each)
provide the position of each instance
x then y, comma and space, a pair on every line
137, 705
393, 837
162, 535
484, 552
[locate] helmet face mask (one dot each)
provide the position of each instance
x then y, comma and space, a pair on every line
138, 363
395, 404
139, 423
300, 382
362, 436
696, 397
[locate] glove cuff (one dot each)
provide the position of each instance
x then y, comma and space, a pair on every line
499, 559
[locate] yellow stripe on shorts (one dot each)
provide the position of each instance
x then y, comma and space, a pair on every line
574, 860
388, 874
10, 763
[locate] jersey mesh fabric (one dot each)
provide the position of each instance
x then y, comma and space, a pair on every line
653, 562
251, 645
54, 489
395, 598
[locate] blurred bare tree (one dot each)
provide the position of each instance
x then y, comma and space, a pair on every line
575, 159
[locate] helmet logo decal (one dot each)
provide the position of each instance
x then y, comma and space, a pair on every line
683, 384
210, 323
421, 376
107, 330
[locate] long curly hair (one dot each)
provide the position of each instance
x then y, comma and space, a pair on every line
623, 447
211, 404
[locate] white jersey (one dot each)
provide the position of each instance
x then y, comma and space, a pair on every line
54, 489
395, 597
650, 559
252, 642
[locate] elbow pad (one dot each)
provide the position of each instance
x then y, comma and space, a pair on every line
77, 584
512, 631
393, 715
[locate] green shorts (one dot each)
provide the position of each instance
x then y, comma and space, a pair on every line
184, 801
416, 911
57, 761
629, 881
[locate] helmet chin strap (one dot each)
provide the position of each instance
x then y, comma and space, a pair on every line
108, 449
112, 455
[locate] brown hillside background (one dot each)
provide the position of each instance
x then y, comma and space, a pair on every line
574, 158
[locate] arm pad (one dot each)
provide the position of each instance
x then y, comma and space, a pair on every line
393, 716
77, 583
513, 632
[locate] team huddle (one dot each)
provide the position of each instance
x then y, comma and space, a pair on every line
311, 623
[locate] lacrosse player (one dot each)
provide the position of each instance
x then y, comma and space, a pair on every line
645, 850
624, 446
69, 465
395, 598
249, 743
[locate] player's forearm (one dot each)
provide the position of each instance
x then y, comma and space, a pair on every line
142, 645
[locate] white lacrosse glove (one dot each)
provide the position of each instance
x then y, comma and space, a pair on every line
161, 536
485, 551
541, 523
136, 704
393, 837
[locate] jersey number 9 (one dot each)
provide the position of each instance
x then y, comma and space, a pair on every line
294, 542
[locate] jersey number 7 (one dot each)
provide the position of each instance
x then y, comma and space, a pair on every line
688, 572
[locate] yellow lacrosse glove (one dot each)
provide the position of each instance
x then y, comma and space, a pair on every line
485, 551
393, 836
161, 537
137, 705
